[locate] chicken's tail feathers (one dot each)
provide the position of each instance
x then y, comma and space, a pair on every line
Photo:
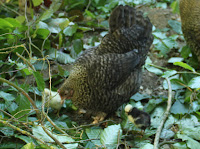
126, 17
122, 16
129, 30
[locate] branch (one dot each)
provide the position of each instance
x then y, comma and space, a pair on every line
24, 93
23, 132
57, 142
164, 118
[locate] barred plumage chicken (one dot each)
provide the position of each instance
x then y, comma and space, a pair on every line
190, 19
105, 77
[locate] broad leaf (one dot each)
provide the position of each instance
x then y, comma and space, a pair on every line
94, 133
111, 135
194, 83
39, 80
184, 65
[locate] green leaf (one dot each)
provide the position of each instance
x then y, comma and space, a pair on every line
89, 13
194, 83
161, 5
110, 135
41, 134
191, 143
84, 28
175, 7
185, 51
23, 107
49, 12
29, 146
94, 133
64, 24
39, 80
147, 146
192, 132
179, 108
77, 46
138, 96
9, 145
37, 2
169, 73
152, 104
190, 121
7, 131
6, 96
5, 24
175, 25
175, 59
24, 138
180, 145
56, 25
184, 65
42, 33
175, 84
70, 30
153, 69
14, 22
59, 56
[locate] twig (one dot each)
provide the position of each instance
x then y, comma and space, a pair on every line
164, 118
159, 67
118, 139
55, 126
12, 117
8, 8
166, 142
22, 131
88, 125
81, 141
25, 60
24, 93
56, 140
28, 31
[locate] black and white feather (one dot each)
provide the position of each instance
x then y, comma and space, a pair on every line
139, 118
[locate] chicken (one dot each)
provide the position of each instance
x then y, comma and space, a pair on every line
190, 19
139, 118
52, 99
106, 76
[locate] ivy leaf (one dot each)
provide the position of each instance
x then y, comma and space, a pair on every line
39, 80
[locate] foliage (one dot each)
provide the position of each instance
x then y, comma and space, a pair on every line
38, 42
